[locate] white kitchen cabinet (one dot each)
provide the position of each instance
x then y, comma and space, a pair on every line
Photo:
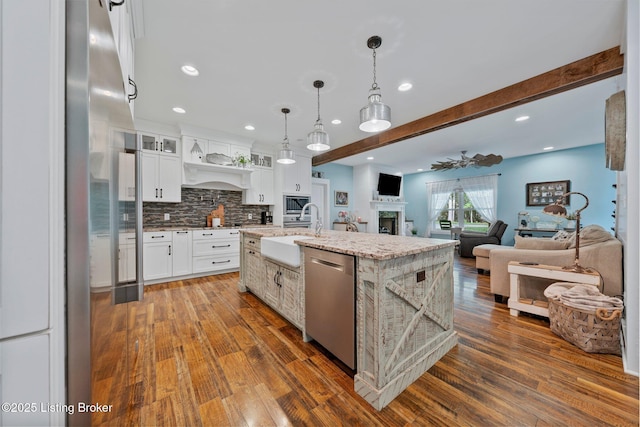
262, 160
215, 250
127, 257
295, 178
182, 262
157, 255
166, 145
209, 146
236, 150
261, 191
161, 178
122, 29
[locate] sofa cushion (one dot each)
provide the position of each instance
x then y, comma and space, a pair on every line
540, 243
590, 235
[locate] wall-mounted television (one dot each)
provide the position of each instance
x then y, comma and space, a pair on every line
389, 185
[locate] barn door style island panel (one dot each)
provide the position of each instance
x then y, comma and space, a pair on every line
403, 291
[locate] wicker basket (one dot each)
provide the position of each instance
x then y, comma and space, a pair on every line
593, 332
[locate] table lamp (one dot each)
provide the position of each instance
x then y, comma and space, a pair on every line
558, 209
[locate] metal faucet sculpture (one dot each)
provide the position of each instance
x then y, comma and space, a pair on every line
318, 222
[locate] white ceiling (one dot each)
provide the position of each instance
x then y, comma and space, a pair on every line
256, 57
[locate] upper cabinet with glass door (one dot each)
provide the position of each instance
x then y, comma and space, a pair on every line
160, 144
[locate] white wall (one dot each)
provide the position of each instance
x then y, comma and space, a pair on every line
365, 182
32, 146
629, 192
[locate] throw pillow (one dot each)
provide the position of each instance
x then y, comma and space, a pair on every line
493, 228
562, 235
590, 235
540, 243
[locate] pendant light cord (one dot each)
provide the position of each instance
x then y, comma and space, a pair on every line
374, 86
318, 105
286, 138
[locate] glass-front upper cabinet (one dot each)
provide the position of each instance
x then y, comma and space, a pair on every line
169, 145
157, 143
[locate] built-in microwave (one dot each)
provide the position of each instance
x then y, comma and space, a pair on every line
293, 204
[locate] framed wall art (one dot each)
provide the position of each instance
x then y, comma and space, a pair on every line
341, 198
546, 193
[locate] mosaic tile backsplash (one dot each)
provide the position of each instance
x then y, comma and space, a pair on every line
196, 204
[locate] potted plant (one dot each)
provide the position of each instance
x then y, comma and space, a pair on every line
414, 231
241, 160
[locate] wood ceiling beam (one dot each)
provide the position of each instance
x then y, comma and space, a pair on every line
579, 73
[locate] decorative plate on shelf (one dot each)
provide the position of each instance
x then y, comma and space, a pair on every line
219, 159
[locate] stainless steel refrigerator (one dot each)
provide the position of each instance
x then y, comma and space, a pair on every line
103, 209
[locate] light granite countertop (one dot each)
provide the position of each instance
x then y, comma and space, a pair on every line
186, 227
366, 245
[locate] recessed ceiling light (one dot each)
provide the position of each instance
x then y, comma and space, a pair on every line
522, 118
92, 38
548, 148
179, 110
190, 70
336, 121
420, 169
370, 158
250, 127
405, 87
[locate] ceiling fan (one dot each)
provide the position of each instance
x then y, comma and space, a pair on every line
465, 161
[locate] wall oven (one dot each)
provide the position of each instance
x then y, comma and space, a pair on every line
292, 210
293, 204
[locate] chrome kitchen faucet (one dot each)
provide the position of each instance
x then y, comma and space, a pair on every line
318, 222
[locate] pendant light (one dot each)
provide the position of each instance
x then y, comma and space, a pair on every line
285, 156
376, 116
318, 139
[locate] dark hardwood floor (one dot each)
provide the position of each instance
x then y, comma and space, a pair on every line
198, 352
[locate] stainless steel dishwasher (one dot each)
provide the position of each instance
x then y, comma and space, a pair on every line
330, 302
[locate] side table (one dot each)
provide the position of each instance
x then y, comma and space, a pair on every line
517, 269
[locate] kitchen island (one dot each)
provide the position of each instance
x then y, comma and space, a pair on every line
404, 300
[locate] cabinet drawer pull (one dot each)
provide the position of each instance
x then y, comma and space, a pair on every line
169, 249
207, 234
220, 262
220, 246
158, 237
234, 232
182, 232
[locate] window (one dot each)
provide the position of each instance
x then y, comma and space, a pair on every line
469, 203
462, 213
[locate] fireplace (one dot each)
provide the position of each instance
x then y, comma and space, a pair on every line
387, 217
388, 222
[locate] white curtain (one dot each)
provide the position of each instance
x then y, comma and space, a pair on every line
483, 193
481, 190
437, 196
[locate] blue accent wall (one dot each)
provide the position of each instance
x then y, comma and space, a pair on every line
583, 166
